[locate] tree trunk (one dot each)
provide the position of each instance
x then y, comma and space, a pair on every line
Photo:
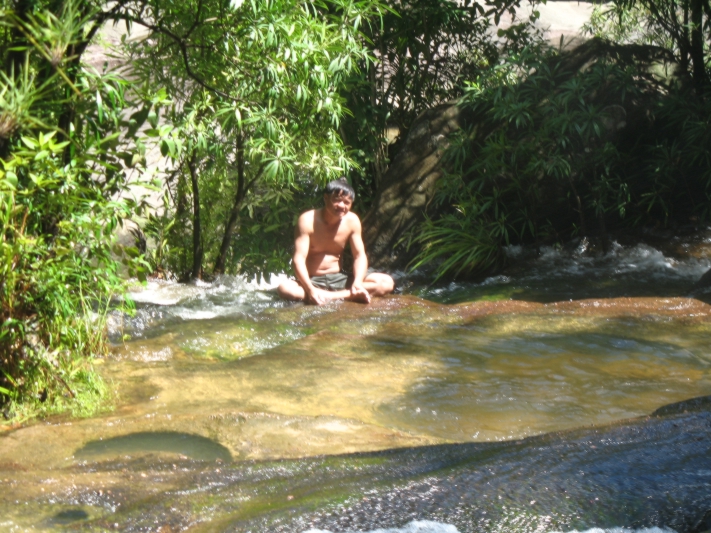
16, 55
697, 46
197, 236
377, 164
234, 212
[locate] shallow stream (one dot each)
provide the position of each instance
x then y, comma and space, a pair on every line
513, 404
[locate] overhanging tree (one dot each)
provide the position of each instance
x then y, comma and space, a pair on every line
683, 26
61, 176
255, 102
425, 52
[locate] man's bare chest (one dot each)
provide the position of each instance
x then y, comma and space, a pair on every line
330, 239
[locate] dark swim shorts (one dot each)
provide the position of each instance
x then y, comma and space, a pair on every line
335, 282
332, 282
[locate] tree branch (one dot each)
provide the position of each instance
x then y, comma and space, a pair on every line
158, 28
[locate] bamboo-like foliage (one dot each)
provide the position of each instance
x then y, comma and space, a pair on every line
555, 157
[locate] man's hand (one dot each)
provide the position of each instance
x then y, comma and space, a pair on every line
360, 293
316, 296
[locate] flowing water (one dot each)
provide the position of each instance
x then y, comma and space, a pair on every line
507, 405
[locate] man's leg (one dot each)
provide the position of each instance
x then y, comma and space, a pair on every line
376, 283
292, 290
379, 284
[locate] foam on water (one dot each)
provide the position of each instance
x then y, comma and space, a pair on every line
159, 292
417, 526
638, 259
555, 274
427, 526
161, 302
561, 273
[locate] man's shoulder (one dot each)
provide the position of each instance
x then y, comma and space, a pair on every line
353, 220
306, 221
307, 215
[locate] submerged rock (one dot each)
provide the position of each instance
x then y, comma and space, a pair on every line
702, 403
643, 473
703, 286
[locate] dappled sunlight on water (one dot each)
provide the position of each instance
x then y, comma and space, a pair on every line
477, 371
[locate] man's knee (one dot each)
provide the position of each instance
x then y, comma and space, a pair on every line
387, 284
290, 290
282, 289
384, 284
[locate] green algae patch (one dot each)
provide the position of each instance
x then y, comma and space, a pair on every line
239, 340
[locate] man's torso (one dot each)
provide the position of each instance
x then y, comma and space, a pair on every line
326, 243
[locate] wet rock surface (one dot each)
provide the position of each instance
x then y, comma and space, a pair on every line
646, 472
238, 412
193, 442
650, 472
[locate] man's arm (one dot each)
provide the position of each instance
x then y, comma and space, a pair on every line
302, 244
360, 260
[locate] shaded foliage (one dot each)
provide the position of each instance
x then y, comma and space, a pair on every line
682, 27
571, 145
425, 50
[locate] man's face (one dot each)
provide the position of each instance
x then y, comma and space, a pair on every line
338, 204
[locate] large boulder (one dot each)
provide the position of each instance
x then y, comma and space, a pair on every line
409, 183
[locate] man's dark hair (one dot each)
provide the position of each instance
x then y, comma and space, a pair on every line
339, 187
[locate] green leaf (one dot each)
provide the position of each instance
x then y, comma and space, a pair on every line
30, 143
136, 120
152, 118
11, 179
99, 106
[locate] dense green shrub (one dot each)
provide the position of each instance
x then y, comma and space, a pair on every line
57, 274
62, 176
566, 148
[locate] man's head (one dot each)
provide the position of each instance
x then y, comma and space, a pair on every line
340, 187
338, 197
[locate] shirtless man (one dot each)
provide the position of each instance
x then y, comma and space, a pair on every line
321, 237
